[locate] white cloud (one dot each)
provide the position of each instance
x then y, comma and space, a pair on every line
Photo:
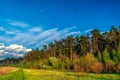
18, 24
13, 50
42, 37
37, 29
1, 51
14, 47
1, 45
10, 32
58, 34
72, 33
89, 30
36, 36
1, 28
7, 31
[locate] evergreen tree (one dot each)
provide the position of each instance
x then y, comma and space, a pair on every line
118, 52
114, 55
109, 64
100, 56
106, 56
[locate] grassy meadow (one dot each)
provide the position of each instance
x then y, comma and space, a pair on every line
58, 75
34, 74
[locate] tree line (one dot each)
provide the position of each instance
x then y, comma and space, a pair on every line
94, 52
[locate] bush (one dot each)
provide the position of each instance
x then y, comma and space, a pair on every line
54, 62
46, 67
78, 68
36, 65
68, 63
62, 65
97, 67
109, 66
87, 64
117, 68
88, 61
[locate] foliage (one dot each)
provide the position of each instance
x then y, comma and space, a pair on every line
54, 62
62, 65
114, 55
119, 52
106, 56
89, 60
68, 63
78, 68
117, 68
109, 64
97, 67
100, 56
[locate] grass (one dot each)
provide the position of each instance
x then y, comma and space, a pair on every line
28, 74
16, 75
58, 75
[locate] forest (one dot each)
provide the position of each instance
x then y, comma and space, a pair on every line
96, 52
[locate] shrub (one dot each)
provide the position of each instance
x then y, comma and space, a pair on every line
68, 63
46, 67
117, 68
36, 65
100, 57
54, 62
109, 66
114, 55
78, 68
97, 67
118, 53
62, 65
88, 61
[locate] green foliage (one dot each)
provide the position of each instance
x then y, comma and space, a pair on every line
46, 67
62, 65
68, 63
106, 56
119, 52
100, 56
114, 55
36, 65
109, 64
89, 59
54, 62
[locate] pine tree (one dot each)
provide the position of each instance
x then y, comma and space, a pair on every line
100, 56
114, 55
107, 61
118, 52
106, 56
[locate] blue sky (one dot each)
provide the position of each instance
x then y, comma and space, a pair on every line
33, 23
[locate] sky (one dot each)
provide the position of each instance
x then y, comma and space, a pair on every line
28, 24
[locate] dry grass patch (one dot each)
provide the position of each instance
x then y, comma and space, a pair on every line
6, 70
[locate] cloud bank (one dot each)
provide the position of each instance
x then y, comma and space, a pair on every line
12, 50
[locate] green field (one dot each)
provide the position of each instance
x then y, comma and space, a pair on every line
28, 74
